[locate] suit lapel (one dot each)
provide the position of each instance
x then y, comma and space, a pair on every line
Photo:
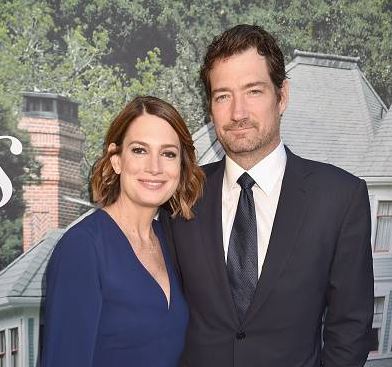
211, 233
288, 220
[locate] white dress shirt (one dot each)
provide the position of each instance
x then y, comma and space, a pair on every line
268, 175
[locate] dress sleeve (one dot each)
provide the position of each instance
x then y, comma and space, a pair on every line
73, 302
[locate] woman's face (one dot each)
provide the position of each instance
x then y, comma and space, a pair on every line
149, 163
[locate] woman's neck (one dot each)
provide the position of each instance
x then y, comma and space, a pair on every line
135, 221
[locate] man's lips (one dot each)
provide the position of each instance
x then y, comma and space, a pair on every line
239, 130
239, 127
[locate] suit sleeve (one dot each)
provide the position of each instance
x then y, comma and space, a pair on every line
350, 297
73, 302
167, 223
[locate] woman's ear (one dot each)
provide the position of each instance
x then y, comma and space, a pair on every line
115, 158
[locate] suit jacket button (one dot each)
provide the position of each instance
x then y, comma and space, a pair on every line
240, 335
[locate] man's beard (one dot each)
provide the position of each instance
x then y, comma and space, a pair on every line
250, 142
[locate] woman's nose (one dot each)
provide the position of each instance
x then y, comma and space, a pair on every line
154, 165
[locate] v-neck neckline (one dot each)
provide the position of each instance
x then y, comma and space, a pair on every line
168, 301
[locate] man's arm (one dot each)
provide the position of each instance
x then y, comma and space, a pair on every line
350, 295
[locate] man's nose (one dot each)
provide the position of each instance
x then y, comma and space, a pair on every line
239, 109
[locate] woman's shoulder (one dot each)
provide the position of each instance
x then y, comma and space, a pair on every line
87, 224
77, 252
85, 232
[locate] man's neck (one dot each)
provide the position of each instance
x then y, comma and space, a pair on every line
247, 160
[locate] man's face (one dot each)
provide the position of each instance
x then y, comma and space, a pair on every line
245, 107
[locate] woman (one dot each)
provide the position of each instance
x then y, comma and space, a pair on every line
113, 298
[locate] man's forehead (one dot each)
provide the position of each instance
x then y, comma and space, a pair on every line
225, 59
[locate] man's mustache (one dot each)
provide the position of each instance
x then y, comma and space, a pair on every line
242, 124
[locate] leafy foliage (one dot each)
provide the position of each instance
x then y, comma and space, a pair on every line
21, 169
101, 53
95, 51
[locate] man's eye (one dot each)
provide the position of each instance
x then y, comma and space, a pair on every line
138, 150
169, 154
255, 92
222, 98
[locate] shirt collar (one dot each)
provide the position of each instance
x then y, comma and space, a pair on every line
266, 173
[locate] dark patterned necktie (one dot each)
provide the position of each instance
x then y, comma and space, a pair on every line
242, 253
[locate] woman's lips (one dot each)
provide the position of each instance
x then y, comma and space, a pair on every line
152, 184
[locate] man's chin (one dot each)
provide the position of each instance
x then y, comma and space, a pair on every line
240, 148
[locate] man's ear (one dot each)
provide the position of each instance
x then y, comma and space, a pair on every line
284, 96
115, 158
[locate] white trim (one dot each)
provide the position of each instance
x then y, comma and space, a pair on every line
378, 180
16, 324
15, 302
389, 345
380, 198
382, 292
382, 328
373, 200
4, 330
374, 357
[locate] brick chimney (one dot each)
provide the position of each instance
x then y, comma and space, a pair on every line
52, 123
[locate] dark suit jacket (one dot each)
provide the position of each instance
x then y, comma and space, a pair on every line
319, 263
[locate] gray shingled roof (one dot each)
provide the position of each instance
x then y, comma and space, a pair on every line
377, 160
333, 111
22, 280
332, 116
208, 148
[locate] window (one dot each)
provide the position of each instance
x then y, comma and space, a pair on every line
2, 348
47, 105
60, 108
33, 104
383, 241
377, 323
14, 347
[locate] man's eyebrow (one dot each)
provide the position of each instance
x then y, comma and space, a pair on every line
255, 84
220, 90
246, 86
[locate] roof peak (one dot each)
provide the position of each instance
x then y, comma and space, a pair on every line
328, 60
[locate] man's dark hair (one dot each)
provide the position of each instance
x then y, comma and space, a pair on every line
238, 39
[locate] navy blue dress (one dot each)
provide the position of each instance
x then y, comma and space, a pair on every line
103, 308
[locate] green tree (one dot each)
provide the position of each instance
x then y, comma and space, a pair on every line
345, 27
21, 169
34, 58
101, 53
353, 28
40, 55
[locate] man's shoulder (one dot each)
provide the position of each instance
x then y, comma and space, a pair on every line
211, 168
323, 173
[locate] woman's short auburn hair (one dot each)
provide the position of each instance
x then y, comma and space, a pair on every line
105, 183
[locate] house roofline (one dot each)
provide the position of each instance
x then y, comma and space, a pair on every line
378, 180
13, 302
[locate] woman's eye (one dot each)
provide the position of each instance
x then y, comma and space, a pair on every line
169, 154
138, 150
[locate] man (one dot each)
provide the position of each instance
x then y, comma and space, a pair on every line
277, 264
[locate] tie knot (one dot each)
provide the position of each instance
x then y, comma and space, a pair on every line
245, 181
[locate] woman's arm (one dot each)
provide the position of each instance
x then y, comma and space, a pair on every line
73, 302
